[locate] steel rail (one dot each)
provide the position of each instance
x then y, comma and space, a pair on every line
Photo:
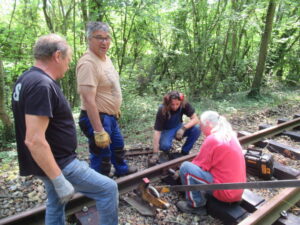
130, 182
269, 212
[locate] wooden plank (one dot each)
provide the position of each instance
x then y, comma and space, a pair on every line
287, 151
282, 172
274, 146
251, 201
296, 116
228, 213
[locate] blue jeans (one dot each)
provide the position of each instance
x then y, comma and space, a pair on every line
90, 183
100, 158
193, 174
167, 136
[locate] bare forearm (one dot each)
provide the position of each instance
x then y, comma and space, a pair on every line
156, 137
38, 146
194, 120
93, 115
88, 94
42, 155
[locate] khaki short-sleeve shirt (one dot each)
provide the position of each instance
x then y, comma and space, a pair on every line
92, 71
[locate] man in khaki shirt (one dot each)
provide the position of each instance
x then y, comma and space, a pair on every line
100, 93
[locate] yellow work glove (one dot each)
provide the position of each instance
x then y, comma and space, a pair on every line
180, 133
102, 139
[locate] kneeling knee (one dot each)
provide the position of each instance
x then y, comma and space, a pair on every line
185, 167
165, 147
196, 130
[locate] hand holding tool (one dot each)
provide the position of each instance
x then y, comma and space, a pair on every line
180, 133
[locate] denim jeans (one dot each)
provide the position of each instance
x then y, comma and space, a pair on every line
90, 183
193, 174
114, 152
167, 136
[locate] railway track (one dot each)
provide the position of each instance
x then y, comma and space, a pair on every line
268, 214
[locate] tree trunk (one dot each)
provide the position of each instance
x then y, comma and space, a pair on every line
255, 89
83, 6
7, 124
96, 10
47, 17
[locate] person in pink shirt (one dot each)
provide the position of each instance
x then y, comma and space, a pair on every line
220, 160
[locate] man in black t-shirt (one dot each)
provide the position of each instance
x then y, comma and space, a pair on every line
46, 136
169, 125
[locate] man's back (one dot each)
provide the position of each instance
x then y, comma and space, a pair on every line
35, 93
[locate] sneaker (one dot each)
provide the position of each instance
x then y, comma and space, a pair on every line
184, 207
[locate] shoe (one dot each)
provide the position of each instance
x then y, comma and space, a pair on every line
174, 155
184, 207
131, 169
184, 153
164, 157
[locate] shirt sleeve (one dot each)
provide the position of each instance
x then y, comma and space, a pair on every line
204, 159
159, 121
40, 102
188, 110
86, 74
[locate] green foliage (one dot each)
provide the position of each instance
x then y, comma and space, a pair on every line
138, 115
233, 103
7, 156
6, 136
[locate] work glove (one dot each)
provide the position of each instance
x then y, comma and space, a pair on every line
102, 139
153, 160
180, 133
63, 188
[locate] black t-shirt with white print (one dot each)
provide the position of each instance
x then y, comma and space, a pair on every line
35, 93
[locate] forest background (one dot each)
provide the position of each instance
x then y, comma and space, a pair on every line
207, 49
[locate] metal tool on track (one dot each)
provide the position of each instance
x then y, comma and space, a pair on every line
227, 186
149, 194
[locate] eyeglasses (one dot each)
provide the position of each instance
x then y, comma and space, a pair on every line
102, 39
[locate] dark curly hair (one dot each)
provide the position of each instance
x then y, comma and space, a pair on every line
168, 99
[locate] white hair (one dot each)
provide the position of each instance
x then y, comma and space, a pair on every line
219, 125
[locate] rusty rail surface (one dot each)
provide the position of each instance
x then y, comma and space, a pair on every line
130, 182
138, 151
272, 209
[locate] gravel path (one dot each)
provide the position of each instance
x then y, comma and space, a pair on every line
19, 193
